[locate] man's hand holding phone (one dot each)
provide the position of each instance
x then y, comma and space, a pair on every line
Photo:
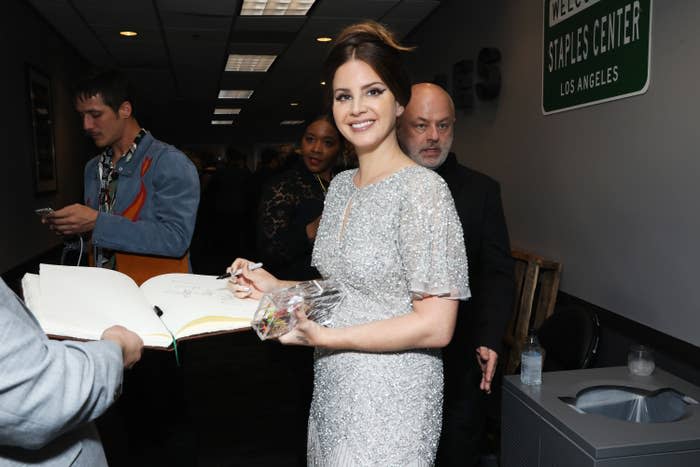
71, 220
43, 212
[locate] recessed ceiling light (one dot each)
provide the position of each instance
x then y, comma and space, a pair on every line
256, 63
128, 33
222, 122
324, 39
291, 122
235, 93
276, 7
226, 111
294, 104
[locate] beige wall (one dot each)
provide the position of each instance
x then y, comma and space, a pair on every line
609, 190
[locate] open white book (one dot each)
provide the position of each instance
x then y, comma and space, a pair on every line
81, 302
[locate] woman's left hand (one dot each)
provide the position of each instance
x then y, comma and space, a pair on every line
306, 332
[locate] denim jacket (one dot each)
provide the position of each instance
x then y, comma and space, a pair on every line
155, 206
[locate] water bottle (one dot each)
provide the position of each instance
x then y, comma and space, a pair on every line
531, 361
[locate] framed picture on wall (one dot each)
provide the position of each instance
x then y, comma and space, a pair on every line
41, 119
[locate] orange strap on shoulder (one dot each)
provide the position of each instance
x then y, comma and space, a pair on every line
142, 267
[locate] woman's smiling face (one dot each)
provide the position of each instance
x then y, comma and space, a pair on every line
364, 107
320, 146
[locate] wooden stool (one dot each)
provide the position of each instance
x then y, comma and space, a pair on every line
535, 277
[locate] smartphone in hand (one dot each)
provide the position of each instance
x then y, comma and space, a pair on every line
43, 212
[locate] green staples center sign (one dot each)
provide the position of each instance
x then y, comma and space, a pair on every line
594, 51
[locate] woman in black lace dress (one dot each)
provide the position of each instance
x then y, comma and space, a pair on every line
291, 204
290, 209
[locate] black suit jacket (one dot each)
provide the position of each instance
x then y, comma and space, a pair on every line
482, 319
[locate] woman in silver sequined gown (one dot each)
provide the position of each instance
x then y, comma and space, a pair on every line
401, 237
390, 235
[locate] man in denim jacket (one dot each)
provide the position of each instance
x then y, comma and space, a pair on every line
141, 195
141, 198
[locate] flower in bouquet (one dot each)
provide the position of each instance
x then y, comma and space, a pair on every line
276, 313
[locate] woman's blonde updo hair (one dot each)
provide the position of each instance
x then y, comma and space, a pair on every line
375, 45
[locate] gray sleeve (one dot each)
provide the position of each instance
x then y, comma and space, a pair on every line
47, 387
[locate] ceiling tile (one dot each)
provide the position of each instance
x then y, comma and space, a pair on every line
412, 9
252, 48
353, 9
269, 23
203, 8
71, 26
124, 14
178, 58
195, 22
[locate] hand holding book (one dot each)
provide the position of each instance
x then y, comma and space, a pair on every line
69, 302
129, 342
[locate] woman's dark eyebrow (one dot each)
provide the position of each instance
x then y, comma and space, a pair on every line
375, 83
372, 84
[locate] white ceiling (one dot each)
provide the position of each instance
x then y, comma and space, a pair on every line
176, 62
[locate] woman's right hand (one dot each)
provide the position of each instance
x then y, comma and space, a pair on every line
250, 284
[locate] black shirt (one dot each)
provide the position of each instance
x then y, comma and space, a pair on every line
289, 201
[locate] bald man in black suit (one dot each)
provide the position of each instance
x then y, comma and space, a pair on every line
426, 132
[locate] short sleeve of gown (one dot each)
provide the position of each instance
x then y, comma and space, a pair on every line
431, 239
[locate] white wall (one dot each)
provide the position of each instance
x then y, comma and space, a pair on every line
608, 190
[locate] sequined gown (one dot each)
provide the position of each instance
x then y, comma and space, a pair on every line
386, 243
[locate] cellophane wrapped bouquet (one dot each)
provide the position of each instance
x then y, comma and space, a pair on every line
275, 314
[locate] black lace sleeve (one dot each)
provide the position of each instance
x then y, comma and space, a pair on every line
287, 204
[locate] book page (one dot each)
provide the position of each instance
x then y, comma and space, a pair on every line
31, 290
31, 294
82, 302
196, 304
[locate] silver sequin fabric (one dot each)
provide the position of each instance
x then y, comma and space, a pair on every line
386, 243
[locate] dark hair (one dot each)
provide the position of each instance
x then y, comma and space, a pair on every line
376, 46
328, 119
111, 85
